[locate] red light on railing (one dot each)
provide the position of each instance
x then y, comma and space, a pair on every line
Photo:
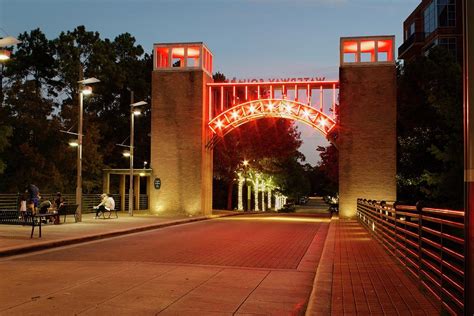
240, 114
322, 122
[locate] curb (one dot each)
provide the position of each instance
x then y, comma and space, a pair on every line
82, 239
319, 301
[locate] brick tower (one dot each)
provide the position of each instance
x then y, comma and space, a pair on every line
367, 117
182, 167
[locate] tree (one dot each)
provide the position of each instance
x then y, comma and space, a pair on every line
429, 126
41, 98
266, 143
325, 176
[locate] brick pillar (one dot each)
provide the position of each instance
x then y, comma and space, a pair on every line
367, 134
179, 134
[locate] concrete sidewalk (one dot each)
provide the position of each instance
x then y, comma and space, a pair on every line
356, 276
15, 239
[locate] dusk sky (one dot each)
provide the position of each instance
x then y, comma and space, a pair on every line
249, 38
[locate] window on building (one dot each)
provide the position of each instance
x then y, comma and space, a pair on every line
449, 43
412, 28
446, 12
430, 21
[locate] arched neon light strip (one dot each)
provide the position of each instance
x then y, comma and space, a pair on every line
240, 114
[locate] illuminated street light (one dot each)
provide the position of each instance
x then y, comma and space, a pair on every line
87, 90
126, 153
134, 110
73, 143
4, 54
83, 90
4, 42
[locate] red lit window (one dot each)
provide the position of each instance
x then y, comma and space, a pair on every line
162, 57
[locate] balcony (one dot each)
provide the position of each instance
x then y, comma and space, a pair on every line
415, 38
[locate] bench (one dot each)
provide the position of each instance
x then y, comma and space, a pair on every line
102, 213
68, 209
13, 217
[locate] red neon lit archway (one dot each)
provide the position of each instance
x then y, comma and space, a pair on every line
240, 114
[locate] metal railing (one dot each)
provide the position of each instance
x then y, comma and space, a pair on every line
429, 242
11, 201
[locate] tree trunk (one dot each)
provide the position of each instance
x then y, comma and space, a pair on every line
230, 186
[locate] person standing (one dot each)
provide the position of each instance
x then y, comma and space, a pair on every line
33, 197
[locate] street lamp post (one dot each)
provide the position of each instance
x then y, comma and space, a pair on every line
133, 111
83, 90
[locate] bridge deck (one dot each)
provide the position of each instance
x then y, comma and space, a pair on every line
356, 276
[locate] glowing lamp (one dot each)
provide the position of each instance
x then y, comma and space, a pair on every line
305, 113
126, 153
87, 90
322, 122
73, 143
246, 162
270, 106
137, 112
252, 109
4, 54
235, 115
219, 124
141, 174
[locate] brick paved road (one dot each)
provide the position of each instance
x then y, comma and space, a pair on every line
260, 265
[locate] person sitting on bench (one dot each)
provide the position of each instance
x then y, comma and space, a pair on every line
107, 204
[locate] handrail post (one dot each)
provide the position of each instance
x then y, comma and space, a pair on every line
419, 208
395, 230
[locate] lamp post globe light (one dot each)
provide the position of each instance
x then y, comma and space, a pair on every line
4, 42
134, 110
83, 90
